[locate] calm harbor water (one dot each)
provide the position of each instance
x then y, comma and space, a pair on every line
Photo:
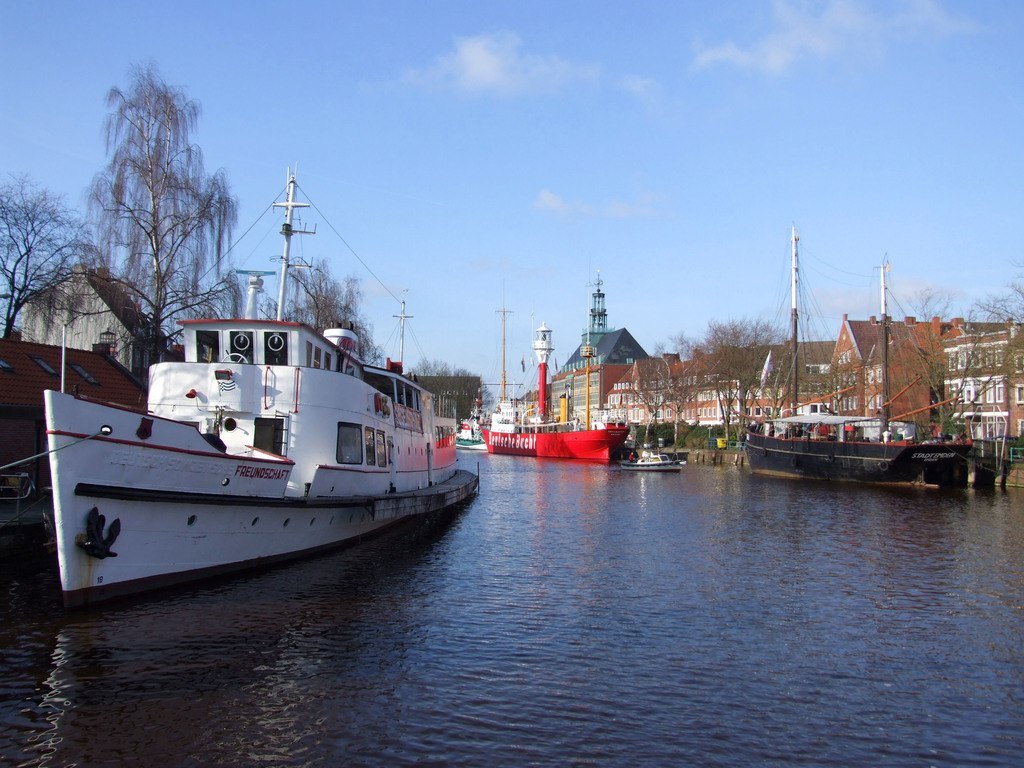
572, 614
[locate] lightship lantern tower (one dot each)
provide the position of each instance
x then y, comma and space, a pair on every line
542, 348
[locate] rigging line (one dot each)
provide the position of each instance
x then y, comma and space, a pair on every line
830, 266
831, 278
416, 341
351, 249
240, 238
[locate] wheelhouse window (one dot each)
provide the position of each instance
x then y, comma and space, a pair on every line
371, 453
275, 348
382, 454
350, 444
241, 346
207, 346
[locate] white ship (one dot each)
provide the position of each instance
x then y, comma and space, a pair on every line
269, 442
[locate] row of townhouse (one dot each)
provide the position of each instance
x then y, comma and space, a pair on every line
951, 375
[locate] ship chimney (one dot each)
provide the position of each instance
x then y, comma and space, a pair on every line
345, 338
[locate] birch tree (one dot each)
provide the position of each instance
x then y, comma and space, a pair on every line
164, 222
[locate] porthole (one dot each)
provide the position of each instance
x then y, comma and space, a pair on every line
286, 521
229, 424
254, 521
332, 520
191, 519
225, 481
313, 520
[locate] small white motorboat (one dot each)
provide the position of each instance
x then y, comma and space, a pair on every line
649, 461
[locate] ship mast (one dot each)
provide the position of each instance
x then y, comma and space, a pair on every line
885, 353
504, 314
288, 231
795, 366
401, 332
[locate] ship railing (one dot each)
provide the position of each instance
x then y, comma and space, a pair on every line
15, 486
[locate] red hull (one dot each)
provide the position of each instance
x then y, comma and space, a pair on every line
597, 444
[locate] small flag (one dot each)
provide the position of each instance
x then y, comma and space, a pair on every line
523, 363
766, 371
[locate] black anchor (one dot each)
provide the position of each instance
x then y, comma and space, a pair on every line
93, 541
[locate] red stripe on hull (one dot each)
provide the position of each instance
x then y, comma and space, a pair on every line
596, 444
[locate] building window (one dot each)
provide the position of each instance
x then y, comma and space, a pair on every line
6, 367
1020, 395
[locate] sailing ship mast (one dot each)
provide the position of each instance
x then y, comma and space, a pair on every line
885, 353
795, 367
504, 314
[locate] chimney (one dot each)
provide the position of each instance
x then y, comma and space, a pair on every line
873, 320
910, 320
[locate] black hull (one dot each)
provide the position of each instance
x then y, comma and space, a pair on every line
941, 464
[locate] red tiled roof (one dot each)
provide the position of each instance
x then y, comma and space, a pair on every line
22, 379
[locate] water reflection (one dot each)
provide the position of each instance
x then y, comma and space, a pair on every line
572, 614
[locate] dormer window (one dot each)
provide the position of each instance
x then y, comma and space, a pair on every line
44, 365
84, 374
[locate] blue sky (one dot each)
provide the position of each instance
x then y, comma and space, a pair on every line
479, 153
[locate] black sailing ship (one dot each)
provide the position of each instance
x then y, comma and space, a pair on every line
819, 445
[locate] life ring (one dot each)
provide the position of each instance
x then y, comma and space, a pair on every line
883, 466
240, 341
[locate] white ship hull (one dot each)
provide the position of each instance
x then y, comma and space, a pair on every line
143, 500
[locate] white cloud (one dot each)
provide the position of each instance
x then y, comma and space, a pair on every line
550, 202
644, 89
832, 29
496, 64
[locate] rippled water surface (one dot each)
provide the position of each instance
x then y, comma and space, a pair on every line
572, 614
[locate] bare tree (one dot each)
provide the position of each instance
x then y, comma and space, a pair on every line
320, 301
162, 218
455, 388
734, 352
40, 241
650, 382
929, 302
